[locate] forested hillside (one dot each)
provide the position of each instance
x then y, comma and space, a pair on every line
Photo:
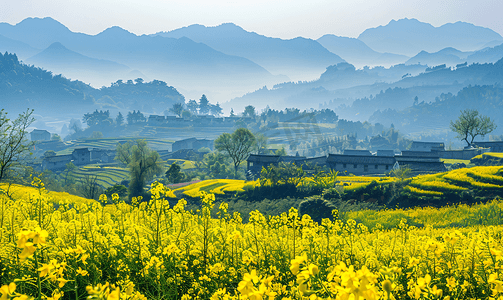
23, 86
487, 99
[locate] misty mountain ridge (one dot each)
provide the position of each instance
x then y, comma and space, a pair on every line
25, 86
182, 62
39, 33
410, 36
298, 58
448, 56
61, 60
343, 84
357, 53
23, 50
221, 61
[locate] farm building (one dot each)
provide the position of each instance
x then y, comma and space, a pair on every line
427, 146
156, 120
40, 135
495, 146
360, 164
80, 156
192, 143
421, 161
357, 152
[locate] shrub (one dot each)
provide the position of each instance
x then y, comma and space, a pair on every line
317, 208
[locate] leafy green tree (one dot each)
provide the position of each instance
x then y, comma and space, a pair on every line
217, 165
174, 173
186, 114
216, 110
204, 105
135, 117
124, 152
249, 111
143, 164
284, 173
177, 109
281, 152
119, 120
118, 189
260, 143
55, 137
97, 118
237, 145
192, 106
470, 124
14, 145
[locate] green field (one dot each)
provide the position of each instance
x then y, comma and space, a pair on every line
449, 161
106, 176
111, 144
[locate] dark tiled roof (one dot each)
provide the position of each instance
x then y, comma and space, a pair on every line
485, 144
356, 152
416, 159
58, 158
419, 153
263, 158
385, 152
288, 158
360, 159
440, 144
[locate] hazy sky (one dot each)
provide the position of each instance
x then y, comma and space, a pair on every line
275, 18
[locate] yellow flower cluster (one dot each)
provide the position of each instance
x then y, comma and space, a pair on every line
154, 251
421, 192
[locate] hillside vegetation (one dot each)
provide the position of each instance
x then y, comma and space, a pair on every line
461, 185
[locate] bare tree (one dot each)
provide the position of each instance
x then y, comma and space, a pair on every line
14, 145
89, 187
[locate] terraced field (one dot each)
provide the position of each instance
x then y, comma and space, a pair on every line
111, 143
483, 180
106, 176
183, 163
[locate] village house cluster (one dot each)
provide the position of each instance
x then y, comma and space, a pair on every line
422, 157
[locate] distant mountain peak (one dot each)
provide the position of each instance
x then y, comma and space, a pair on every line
46, 22
410, 36
56, 45
116, 31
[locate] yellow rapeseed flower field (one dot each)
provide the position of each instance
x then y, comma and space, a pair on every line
51, 248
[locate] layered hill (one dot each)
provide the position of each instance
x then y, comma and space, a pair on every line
410, 36
358, 53
61, 60
448, 56
298, 58
23, 50
435, 115
357, 94
182, 61
23, 86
